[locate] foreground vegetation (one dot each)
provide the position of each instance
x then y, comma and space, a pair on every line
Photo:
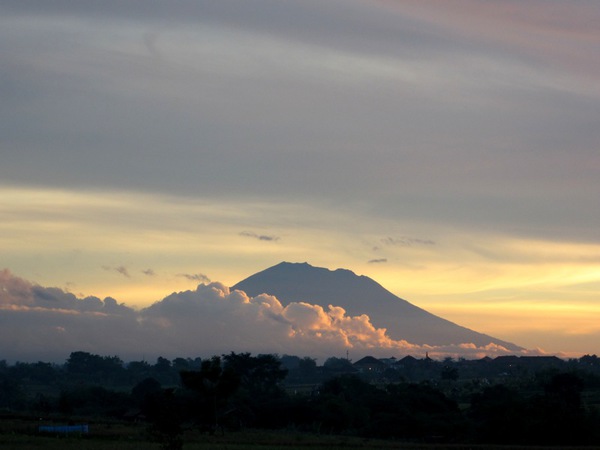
135, 437
244, 401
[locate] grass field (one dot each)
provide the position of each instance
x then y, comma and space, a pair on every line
22, 434
20, 442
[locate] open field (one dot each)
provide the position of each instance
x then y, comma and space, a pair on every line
17, 442
17, 434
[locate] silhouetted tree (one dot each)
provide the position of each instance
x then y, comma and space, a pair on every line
259, 397
499, 415
420, 411
137, 371
93, 401
90, 368
163, 371
144, 390
213, 386
259, 375
343, 404
38, 373
307, 365
559, 415
449, 373
165, 414
12, 394
337, 366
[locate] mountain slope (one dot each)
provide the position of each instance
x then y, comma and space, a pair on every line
295, 282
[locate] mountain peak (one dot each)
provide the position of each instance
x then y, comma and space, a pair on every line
305, 266
301, 282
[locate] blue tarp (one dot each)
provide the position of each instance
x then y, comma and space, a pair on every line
63, 429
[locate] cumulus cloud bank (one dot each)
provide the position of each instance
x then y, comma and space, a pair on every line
48, 323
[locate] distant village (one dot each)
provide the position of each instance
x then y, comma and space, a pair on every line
84, 367
411, 369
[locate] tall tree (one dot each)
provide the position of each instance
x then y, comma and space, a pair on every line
213, 385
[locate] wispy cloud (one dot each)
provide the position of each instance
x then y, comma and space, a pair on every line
198, 277
405, 241
149, 272
119, 269
260, 237
378, 261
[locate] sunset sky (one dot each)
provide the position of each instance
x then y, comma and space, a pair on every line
448, 149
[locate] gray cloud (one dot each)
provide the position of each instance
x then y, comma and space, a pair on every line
378, 261
123, 271
405, 241
18, 292
357, 103
149, 272
260, 237
119, 269
198, 277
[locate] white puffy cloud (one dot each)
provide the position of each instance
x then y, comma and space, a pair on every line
48, 323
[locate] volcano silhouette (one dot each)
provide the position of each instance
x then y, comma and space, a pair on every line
301, 282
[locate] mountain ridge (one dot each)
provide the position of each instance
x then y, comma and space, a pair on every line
359, 294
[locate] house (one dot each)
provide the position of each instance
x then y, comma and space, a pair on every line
370, 364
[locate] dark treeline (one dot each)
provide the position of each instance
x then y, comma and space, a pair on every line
506, 400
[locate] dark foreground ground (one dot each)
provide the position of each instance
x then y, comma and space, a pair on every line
19, 434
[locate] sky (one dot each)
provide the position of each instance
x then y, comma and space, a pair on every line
448, 149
